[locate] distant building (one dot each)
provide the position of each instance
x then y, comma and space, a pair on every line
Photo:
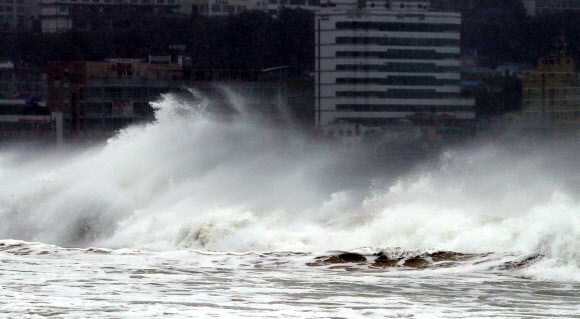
515, 69
551, 98
399, 61
99, 98
84, 15
17, 81
219, 7
534, 7
228, 7
24, 122
18, 14
275, 5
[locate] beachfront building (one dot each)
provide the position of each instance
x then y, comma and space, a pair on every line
27, 123
551, 98
22, 81
380, 64
98, 98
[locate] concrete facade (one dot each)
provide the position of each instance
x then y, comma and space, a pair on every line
380, 66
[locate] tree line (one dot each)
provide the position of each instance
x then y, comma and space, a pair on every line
499, 30
252, 40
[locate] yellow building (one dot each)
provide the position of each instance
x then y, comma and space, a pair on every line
551, 98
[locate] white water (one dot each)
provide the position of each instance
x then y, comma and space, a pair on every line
192, 182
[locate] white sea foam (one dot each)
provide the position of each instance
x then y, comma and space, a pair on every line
192, 180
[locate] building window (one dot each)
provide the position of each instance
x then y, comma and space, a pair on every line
398, 67
398, 80
215, 8
229, 9
397, 93
397, 41
394, 26
398, 54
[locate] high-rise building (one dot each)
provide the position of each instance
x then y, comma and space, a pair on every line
385, 63
551, 98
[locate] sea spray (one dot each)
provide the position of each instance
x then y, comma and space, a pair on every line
196, 179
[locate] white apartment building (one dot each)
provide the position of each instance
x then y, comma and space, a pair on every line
392, 61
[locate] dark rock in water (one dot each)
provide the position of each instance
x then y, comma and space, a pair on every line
352, 257
384, 261
414, 262
446, 256
417, 262
340, 259
452, 256
518, 264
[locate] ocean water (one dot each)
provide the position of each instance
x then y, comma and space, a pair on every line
197, 216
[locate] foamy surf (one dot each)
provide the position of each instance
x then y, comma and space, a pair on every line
200, 214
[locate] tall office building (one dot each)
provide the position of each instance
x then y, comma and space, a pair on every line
382, 62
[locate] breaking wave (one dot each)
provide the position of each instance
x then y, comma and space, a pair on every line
193, 180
